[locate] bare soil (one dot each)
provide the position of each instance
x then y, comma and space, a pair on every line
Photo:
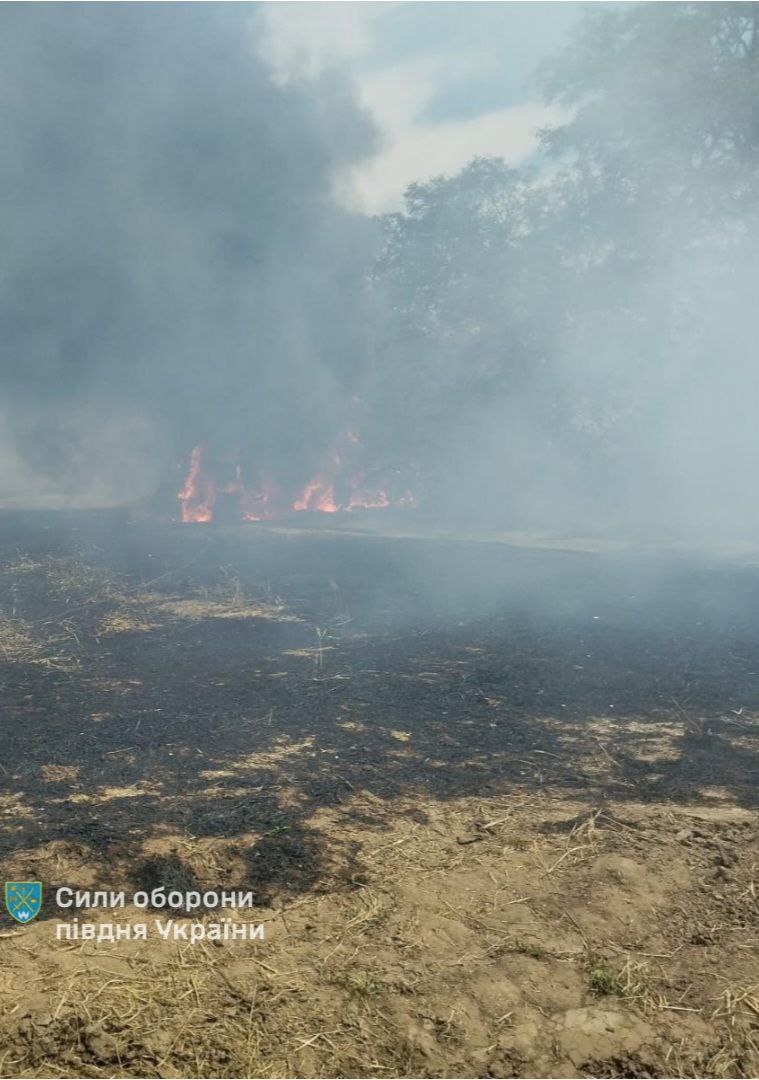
496, 804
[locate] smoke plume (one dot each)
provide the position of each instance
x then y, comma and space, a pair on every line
174, 268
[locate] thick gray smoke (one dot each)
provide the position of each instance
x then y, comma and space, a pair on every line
173, 267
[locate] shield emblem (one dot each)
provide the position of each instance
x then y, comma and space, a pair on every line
23, 899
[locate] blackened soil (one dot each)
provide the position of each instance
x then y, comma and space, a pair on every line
395, 666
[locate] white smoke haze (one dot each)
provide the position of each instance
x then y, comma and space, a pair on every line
299, 42
558, 340
600, 308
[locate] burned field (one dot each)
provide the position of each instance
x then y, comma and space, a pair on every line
495, 804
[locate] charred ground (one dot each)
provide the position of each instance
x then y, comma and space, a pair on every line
383, 731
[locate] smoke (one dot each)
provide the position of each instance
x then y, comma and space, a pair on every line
564, 345
580, 334
655, 345
174, 267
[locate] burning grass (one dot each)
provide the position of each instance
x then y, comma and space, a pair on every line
340, 482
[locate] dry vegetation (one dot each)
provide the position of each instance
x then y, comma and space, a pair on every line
78, 597
557, 915
524, 935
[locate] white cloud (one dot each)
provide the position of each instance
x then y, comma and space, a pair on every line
420, 151
302, 40
413, 148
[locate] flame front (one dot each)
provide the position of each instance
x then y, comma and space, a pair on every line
198, 493
201, 494
318, 494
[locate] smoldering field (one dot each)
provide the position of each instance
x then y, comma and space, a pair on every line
485, 835
453, 661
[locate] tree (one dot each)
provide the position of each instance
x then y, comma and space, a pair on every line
588, 321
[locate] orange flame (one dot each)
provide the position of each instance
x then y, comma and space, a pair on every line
266, 501
198, 493
318, 494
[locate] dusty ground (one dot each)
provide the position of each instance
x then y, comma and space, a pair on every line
497, 806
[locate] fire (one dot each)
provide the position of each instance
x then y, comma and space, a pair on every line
318, 494
327, 492
198, 493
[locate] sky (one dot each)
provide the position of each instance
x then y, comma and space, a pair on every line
443, 82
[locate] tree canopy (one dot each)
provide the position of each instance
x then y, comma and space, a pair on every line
587, 323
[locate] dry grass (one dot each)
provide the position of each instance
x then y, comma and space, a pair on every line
81, 599
67, 577
141, 610
128, 618
265, 1024
155, 1009
203, 607
18, 645
737, 1014
387, 978
466, 916
642, 986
